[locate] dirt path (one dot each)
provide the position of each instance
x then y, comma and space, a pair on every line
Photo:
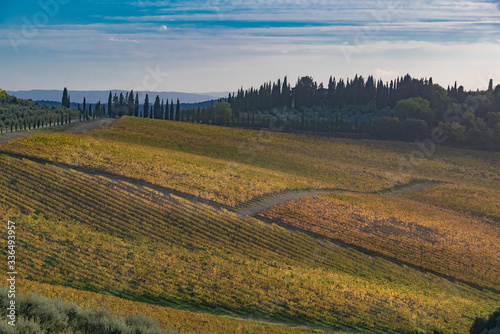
411, 187
86, 126
14, 136
79, 127
254, 208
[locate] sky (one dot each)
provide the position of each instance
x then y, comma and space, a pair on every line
222, 45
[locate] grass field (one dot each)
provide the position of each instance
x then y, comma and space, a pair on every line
95, 240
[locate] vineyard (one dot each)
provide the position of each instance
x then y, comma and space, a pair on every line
233, 166
359, 165
209, 178
144, 246
419, 233
475, 201
100, 224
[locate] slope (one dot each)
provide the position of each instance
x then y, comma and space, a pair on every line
163, 250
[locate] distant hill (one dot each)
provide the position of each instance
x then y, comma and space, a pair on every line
202, 104
95, 96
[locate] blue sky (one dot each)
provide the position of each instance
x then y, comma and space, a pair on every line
221, 45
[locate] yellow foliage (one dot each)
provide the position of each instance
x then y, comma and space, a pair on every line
420, 233
104, 236
233, 166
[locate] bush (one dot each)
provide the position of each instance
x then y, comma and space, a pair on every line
489, 326
40, 315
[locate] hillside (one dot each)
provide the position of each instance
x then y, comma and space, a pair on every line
18, 114
145, 211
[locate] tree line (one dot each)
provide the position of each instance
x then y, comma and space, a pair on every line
403, 109
129, 105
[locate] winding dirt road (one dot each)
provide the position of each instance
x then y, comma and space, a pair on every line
254, 208
86, 126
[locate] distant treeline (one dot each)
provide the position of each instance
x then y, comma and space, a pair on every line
405, 109
123, 105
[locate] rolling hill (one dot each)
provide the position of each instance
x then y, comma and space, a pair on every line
144, 214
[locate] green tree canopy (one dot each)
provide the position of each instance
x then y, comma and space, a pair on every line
223, 112
416, 108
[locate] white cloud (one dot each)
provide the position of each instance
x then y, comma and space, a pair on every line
163, 28
112, 39
384, 75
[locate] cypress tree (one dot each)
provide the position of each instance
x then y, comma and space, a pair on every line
131, 103
110, 104
172, 113
136, 108
98, 109
178, 109
121, 105
145, 113
65, 100
157, 108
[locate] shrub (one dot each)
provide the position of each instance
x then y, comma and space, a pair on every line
40, 315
